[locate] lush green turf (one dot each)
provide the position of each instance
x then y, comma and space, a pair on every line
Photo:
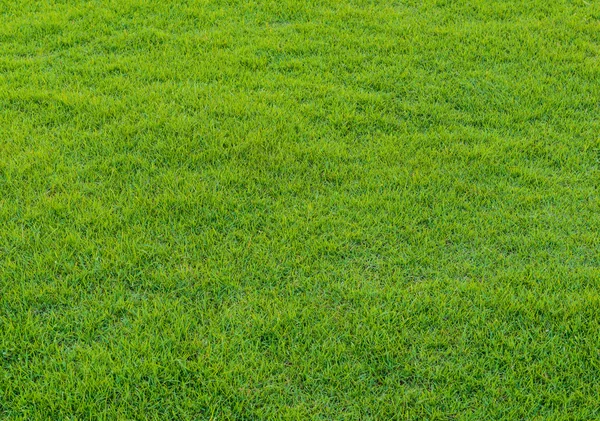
335, 210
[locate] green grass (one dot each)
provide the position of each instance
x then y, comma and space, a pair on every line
300, 210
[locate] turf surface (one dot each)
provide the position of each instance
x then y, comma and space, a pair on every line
357, 210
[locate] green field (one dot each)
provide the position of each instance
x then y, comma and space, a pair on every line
300, 210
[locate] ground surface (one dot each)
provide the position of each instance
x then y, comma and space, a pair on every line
357, 210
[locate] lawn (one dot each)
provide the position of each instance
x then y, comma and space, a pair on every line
300, 210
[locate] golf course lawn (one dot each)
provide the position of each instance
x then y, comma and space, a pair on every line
300, 210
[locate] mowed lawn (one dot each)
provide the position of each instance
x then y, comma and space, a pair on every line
300, 210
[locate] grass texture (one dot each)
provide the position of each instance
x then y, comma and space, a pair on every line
300, 210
